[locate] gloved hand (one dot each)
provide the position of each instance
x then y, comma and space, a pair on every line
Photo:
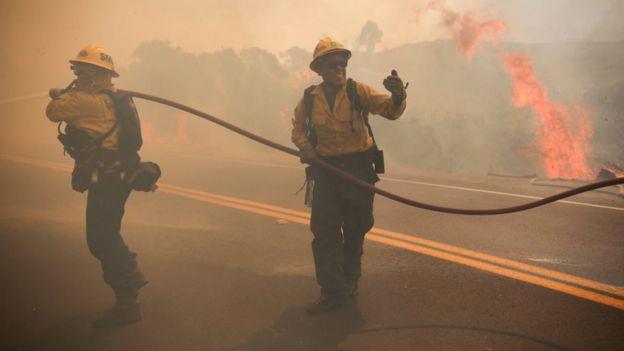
306, 155
55, 92
394, 84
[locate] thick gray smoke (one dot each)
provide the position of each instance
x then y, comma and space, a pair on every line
459, 118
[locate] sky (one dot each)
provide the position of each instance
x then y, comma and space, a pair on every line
34, 31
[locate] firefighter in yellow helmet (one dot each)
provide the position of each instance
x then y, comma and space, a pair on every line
92, 139
331, 122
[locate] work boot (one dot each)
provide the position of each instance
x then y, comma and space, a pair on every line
326, 303
125, 311
352, 288
118, 315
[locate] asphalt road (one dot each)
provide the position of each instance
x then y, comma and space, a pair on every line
226, 248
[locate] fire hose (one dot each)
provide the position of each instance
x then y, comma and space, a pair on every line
319, 162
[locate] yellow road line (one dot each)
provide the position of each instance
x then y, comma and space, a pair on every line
193, 195
39, 163
588, 283
374, 236
404, 241
236, 200
553, 285
408, 181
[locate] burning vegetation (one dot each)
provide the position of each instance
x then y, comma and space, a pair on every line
502, 108
561, 133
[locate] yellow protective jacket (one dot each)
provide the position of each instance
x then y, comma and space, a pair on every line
341, 130
92, 112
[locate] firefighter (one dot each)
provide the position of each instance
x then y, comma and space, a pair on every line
92, 138
331, 123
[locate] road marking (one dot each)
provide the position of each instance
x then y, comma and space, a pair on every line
550, 284
407, 181
39, 163
557, 261
237, 200
233, 160
288, 213
414, 239
237, 205
380, 236
516, 270
587, 283
499, 193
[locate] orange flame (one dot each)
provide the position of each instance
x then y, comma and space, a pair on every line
149, 135
181, 133
564, 134
467, 31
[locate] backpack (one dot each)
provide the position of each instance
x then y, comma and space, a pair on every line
87, 150
78, 144
130, 139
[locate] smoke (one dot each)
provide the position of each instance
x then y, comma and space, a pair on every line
467, 32
303, 78
461, 114
561, 133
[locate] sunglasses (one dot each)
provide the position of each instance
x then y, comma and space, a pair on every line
86, 70
335, 64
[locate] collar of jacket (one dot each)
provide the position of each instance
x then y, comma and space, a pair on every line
319, 89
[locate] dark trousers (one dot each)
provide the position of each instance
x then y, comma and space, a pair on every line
342, 214
105, 210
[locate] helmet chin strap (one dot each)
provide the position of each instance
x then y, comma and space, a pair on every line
86, 83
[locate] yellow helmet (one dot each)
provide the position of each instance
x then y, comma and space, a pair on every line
326, 46
97, 56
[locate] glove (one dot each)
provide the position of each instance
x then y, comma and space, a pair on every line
394, 84
306, 155
55, 93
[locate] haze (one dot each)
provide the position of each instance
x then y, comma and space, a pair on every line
454, 119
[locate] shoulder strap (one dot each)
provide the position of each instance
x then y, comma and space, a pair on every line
108, 133
356, 104
90, 146
308, 104
130, 139
353, 96
97, 141
111, 94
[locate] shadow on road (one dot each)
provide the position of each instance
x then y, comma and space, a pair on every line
296, 330
72, 334
467, 330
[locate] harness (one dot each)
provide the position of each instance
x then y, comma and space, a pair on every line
356, 105
93, 163
78, 144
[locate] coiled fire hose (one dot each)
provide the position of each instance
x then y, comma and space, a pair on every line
319, 162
